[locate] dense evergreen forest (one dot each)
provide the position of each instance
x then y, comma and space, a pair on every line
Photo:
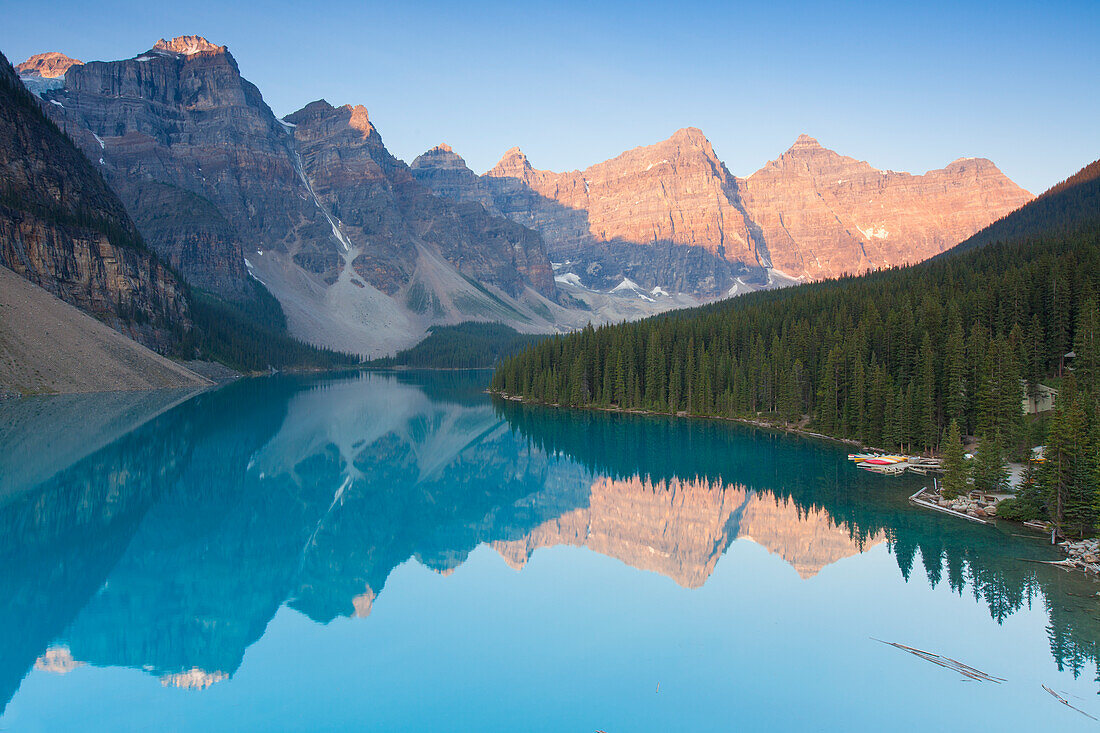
469, 345
250, 335
890, 359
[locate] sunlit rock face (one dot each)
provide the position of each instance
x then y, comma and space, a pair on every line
680, 528
672, 215
675, 198
824, 214
49, 65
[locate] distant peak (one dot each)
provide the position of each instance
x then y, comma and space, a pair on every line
690, 134
360, 119
513, 163
977, 162
187, 45
514, 158
805, 142
320, 111
441, 156
50, 64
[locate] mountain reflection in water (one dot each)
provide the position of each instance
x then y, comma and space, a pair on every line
170, 548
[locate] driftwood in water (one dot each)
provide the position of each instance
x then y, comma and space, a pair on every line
953, 664
1065, 702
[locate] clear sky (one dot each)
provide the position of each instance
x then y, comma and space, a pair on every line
907, 86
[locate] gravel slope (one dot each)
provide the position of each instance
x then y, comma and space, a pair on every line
47, 345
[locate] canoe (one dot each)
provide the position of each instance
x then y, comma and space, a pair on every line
879, 462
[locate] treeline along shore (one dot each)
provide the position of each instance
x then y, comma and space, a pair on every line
890, 359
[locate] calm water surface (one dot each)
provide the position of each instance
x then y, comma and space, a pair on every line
400, 552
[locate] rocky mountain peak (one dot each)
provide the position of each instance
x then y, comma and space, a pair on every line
981, 164
49, 65
355, 116
691, 135
359, 119
187, 45
513, 163
442, 156
805, 142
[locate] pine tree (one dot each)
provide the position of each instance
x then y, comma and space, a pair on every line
990, 471
1068, 491
956, 472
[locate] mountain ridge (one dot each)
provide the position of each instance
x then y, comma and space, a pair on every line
789, 215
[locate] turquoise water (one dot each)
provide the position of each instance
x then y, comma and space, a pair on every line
401, 552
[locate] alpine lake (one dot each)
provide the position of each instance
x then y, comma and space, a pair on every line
401, 551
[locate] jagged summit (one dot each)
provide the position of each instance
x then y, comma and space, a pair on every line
805, 142
513, 159
441, 156
48, 65
689, 134
356, 116
187, 45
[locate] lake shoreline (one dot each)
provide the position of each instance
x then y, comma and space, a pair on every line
765, 424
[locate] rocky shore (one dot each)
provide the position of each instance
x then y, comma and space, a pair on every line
1082, 554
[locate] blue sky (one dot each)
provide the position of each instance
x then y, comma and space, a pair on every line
910, 86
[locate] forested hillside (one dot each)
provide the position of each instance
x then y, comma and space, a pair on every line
1062, 207
251, 334
469, 345
890, 358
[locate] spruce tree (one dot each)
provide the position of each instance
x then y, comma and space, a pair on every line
956, 472
990, 471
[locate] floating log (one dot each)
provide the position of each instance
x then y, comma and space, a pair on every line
1065, 702
947, 662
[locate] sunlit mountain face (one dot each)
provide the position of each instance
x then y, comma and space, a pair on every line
178, 541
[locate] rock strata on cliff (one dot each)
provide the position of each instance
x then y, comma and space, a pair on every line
361, 255
824, 214
63, 229
199, 160
378, 201
666, 215
671, 215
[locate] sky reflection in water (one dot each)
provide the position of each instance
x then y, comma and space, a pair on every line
400, 552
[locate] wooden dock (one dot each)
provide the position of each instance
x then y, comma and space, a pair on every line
917, 500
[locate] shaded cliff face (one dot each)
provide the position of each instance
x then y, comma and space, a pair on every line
181, 116
665, 215
362, 257
825, 214
62, 228
445, 172
672, 215
388, 215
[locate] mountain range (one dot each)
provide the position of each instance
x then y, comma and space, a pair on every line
364, 253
